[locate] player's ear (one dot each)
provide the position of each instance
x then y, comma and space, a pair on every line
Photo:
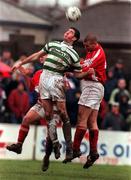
74, 39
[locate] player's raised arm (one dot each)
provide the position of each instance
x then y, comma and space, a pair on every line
30, 58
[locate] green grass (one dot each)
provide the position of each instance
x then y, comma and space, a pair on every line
31, 170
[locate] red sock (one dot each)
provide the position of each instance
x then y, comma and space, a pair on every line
22, 133
93, 138
79, 134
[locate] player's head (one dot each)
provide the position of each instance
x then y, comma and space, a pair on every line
71, 35
77, 33
90, 42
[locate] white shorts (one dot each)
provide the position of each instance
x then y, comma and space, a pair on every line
92, 94
38, 109
51, 86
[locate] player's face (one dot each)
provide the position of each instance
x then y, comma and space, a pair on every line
90, 46
69, 35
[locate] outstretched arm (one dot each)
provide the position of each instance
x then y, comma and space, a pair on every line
30, 58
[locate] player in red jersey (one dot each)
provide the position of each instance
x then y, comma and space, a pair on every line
31, 116
60, 58
35, 114
89, 102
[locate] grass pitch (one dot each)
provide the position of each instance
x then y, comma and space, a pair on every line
31, 170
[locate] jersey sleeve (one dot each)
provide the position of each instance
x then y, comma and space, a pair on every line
74, 55
45, 49
77, 67
76, 61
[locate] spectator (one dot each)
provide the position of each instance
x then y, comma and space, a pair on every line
115, 95
7, 58
23, 56
13, 82
30, 66
72, 97
32, 95
2, 103
124, 103
128, 122
18, 103
113, 120
110, 84
104, 109
128, 119
119, 70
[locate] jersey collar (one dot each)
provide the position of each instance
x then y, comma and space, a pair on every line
67, 44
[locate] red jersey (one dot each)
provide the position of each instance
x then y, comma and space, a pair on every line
95, 59
35, 81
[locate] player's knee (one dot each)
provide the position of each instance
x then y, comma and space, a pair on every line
52, 122
64, 116
48, 139
81, 124
92, 125
82, 121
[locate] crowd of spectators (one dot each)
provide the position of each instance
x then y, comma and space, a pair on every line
117, 99
115, 110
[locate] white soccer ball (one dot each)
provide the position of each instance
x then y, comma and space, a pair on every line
73, 13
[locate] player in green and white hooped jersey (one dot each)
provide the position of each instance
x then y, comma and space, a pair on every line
60, 57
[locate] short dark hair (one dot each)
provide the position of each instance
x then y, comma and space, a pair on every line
90, 37
77, 33
119, 61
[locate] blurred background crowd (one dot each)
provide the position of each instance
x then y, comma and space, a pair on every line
15, 98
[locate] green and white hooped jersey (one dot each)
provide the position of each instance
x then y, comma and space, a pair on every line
61, 57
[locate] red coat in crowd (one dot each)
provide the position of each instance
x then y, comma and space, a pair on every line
18, 102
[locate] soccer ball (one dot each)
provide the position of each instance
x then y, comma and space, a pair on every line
73, 13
